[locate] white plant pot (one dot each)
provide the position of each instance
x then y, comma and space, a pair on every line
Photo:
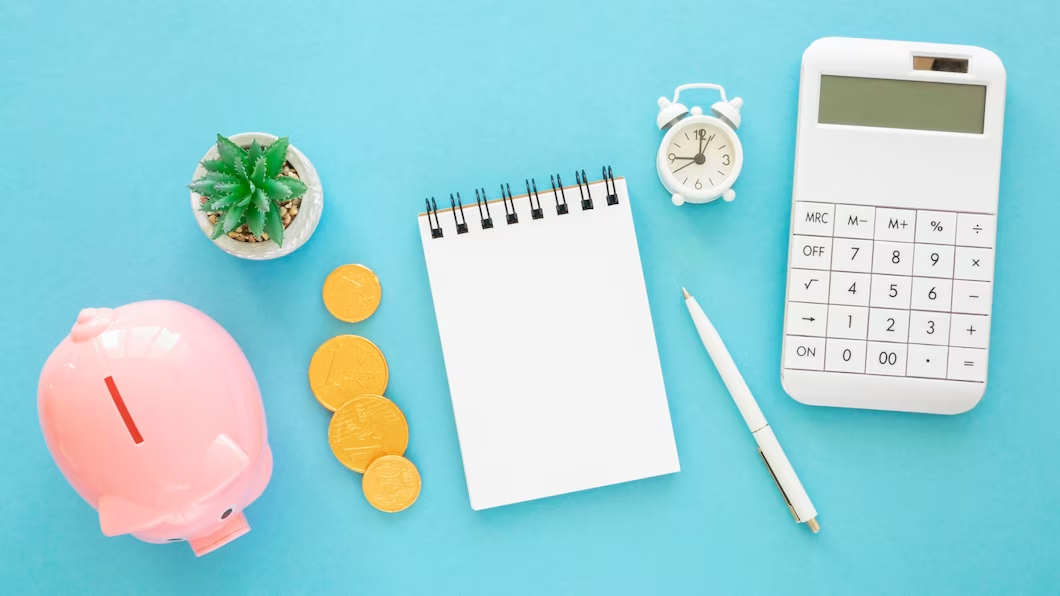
302, 226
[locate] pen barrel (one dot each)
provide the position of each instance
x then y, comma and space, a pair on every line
784, 475
730, 375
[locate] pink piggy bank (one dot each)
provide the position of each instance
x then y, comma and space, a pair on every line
152, 413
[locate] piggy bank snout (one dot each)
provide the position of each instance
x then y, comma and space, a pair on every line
90, 323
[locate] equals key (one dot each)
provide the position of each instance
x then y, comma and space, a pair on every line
967, 364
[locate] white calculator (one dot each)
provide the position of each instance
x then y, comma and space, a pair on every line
894, 212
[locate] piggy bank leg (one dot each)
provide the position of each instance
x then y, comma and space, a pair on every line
235, 526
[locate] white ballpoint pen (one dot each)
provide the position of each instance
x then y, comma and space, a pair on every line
768, 448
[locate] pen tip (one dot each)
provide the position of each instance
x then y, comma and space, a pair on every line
684, 292
814, 526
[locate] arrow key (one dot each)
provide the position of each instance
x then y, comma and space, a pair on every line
807, 319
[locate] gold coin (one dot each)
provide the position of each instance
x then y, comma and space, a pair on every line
352, 293
366, 428
344, 367
391, 483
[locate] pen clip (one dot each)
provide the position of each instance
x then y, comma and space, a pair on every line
787, 501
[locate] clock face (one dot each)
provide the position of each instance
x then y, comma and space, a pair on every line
701, 155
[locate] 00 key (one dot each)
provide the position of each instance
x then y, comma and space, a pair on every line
885, 359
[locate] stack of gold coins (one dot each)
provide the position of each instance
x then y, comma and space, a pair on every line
348, 374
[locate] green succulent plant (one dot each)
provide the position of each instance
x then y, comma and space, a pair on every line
246, 187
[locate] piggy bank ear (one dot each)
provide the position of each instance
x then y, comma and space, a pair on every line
225, 462
118, 515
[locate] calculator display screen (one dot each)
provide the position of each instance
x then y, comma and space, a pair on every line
916, 105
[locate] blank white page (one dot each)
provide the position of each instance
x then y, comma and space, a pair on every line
549, 349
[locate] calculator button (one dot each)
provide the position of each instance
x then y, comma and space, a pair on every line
931, 294
888, 325
845, 355
895, 225
893, 258
975, 230
967, 365
969, 331
852, 254
974, 263
929, 328
813, 218
808, 285
933, 260
890, 291
927, 361
811, 252
972, 297
938, 227
885, 359
805, 353
847, 322
854, 221
851, 289
807, 319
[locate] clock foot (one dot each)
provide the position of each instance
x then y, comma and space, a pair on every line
678, 200
728, 195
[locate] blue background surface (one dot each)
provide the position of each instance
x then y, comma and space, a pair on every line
107, 106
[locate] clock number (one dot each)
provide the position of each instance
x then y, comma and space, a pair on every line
725, 160
701, 134
672, 157
699, 185
934, 259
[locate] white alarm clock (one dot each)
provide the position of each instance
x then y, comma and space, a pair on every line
700, 156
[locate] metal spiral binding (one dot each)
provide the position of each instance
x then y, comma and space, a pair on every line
461, 226
513, 217
534, 199
536, 213
487, 221
587, 197
436, 227
612, 192
560, 209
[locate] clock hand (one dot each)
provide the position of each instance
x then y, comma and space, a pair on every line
707, 143
700, 146
678, 157
684, 166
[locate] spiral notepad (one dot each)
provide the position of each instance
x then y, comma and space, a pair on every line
548, 341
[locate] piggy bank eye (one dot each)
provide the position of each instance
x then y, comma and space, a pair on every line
226, 514
174, 539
